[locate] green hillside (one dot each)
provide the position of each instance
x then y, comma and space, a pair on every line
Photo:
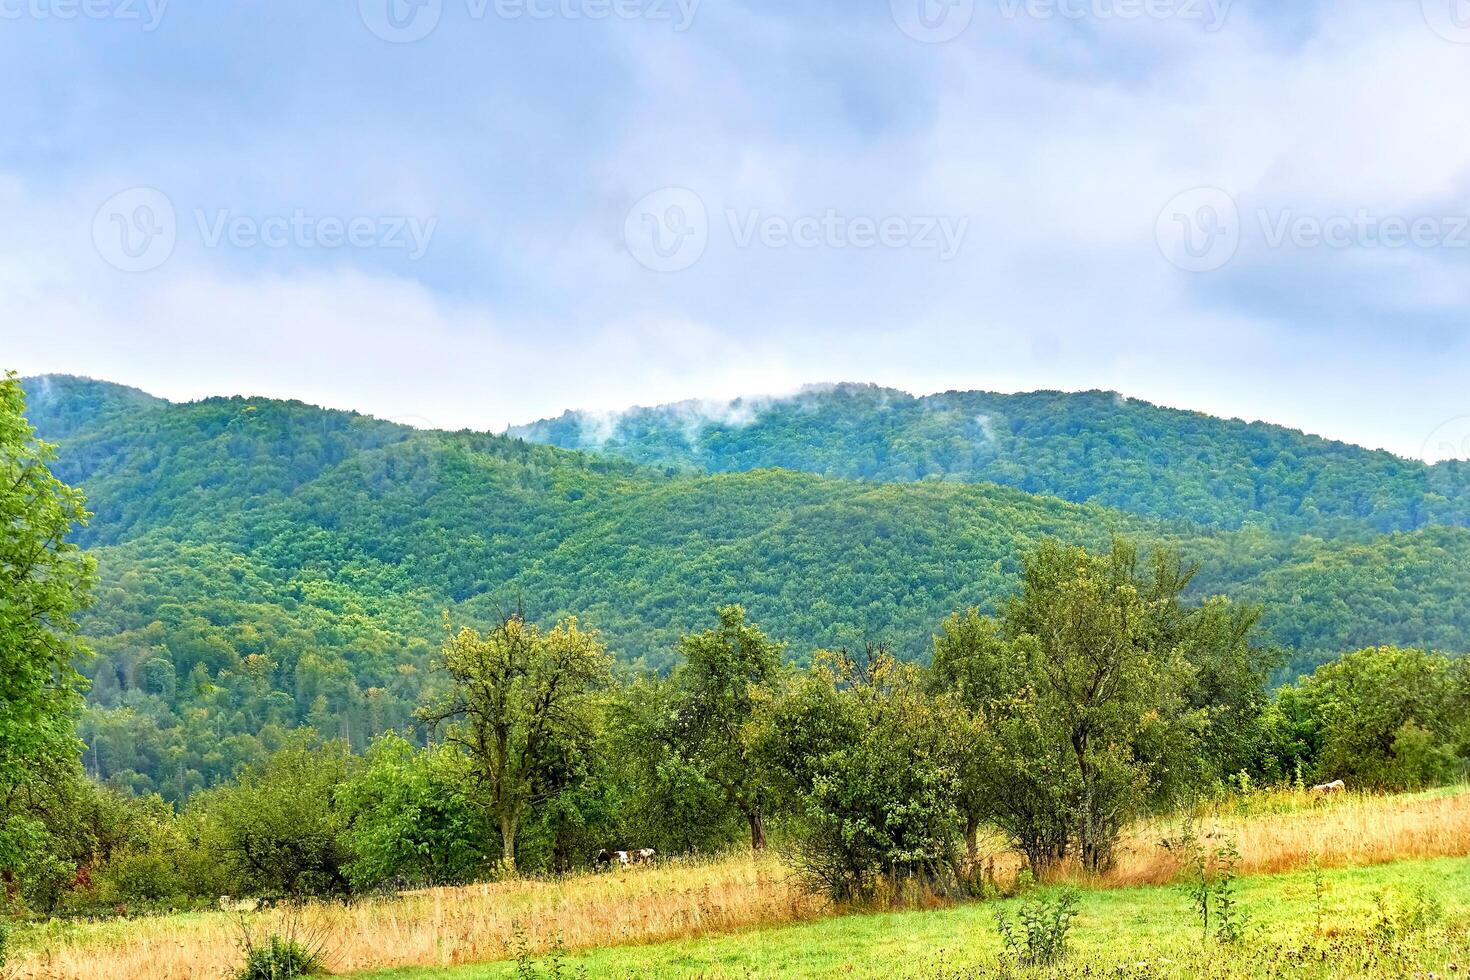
1095, 447
266, 564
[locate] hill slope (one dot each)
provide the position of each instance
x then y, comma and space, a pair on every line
1094, 447
266, 564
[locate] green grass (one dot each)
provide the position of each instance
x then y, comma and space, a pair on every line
1116, 932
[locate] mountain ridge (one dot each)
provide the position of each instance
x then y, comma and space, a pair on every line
1088, 447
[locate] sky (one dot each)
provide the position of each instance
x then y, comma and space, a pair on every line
473, 213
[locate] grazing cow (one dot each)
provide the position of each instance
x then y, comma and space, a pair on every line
644, 855
606, 858
1329, 789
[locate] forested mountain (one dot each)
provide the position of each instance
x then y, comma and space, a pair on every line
265, 564
1095, 447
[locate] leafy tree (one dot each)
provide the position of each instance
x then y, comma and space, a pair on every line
1385, 718
519, 708
279, 829
726, 672
665, 801
1109, 686
409, 821
1012, 772
872, 758
44, 581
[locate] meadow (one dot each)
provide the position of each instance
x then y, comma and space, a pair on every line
1140, 932
744, 915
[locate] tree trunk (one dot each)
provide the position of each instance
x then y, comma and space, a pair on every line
972, 837
508, 844
757, 830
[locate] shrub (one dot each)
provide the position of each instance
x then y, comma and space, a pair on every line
279, 958
878, 819
1039, 938
1210, 882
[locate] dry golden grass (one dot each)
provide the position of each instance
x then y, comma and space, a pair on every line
1274, 832
445, 926
1286, 831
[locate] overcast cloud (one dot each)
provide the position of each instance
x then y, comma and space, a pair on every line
480, 212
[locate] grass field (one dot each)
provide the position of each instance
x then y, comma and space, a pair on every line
1148, 931
717, 905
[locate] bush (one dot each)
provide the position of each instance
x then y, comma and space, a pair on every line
869, 755
279, 958
1040, 937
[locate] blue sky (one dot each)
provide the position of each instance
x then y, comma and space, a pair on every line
479, 212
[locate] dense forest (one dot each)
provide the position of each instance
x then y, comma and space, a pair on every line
1094, 447
264, 565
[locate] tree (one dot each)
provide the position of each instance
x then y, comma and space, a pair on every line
409, 821
726, 672
1011, 774
872, 758
1110, 683
519, 707
1386, 718
44, 581
279, 829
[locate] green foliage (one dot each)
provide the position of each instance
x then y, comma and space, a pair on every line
45, 580
279, 958
519, 709
1038, 937
411, 823
1095, 447
278, 830
1087, 698
726, 672
871, 757
1385, 718
290, 564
